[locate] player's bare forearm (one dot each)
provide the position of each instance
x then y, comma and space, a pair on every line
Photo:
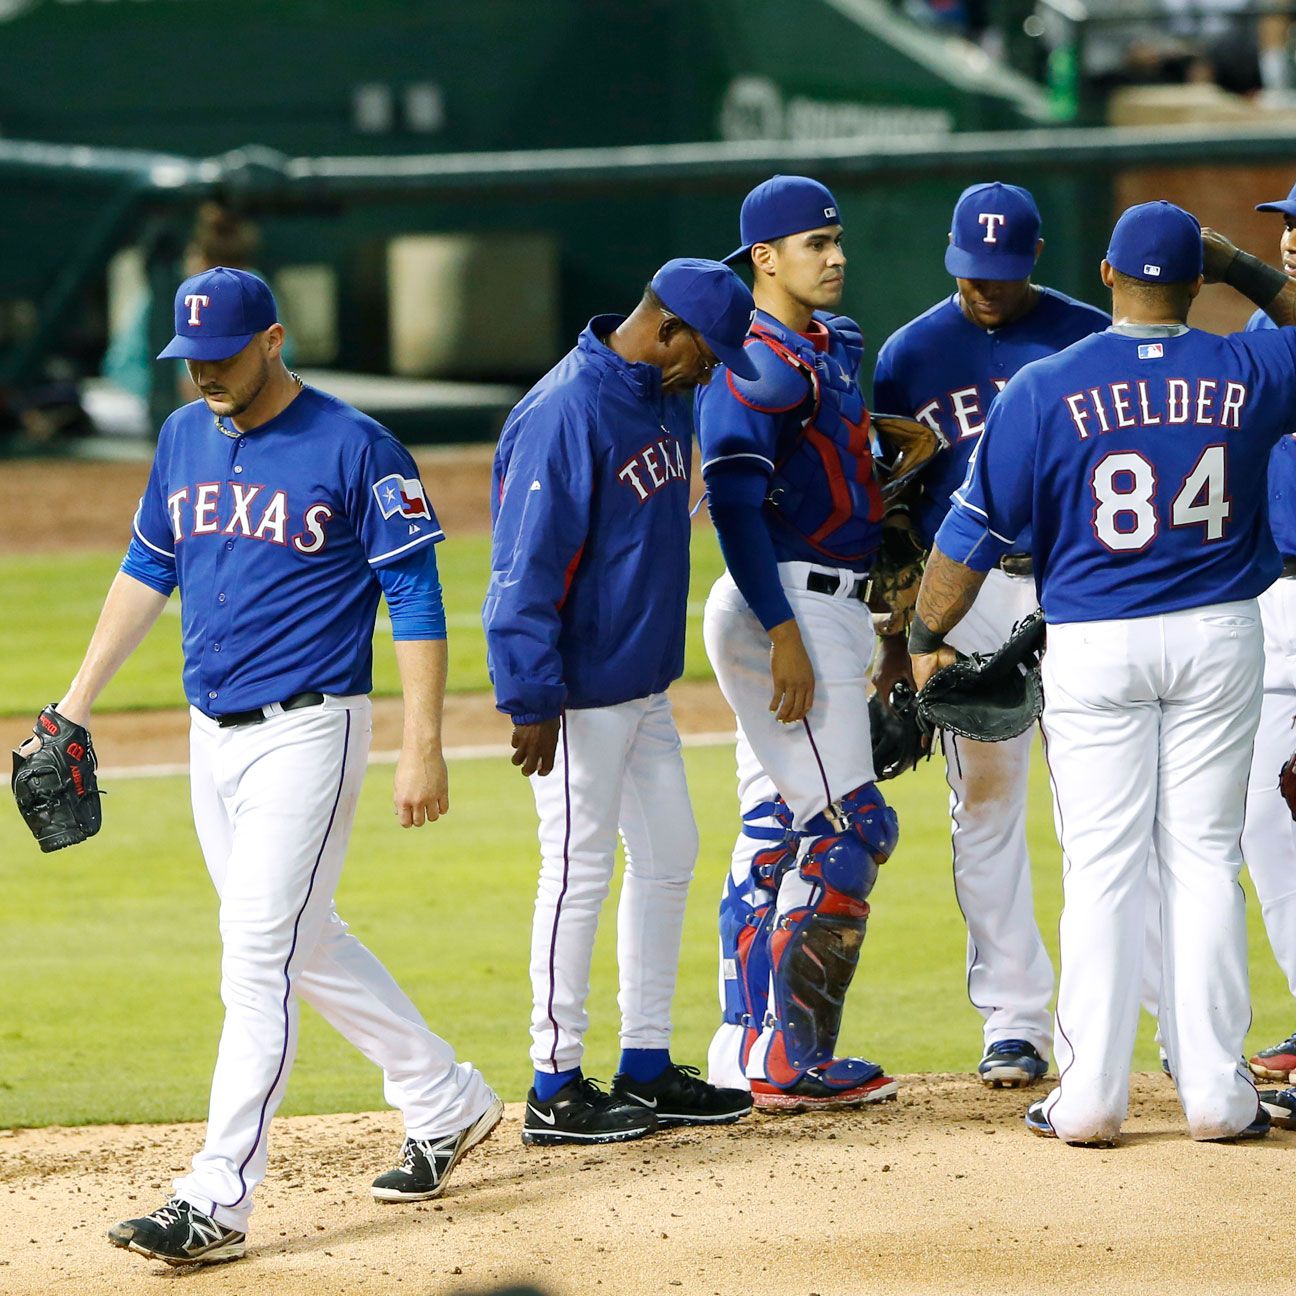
129, 612
948, 590
791, 673
422, 790
1224, 262
893, 665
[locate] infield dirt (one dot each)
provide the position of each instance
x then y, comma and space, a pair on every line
941, 1191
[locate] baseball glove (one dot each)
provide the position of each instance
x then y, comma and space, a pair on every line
55, 785
900, 738
897, 572
909, 446
1287, 783
990, 698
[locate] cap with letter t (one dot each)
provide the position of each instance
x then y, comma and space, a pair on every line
217, 313
712, 301
994, 233
1158, 243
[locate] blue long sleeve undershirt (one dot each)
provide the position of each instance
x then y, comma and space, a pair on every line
735, 496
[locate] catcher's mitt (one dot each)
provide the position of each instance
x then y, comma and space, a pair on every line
909, 447
1287, 784
990, 698
55, 785
897, 572
900, 738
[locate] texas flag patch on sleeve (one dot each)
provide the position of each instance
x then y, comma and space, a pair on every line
401, 495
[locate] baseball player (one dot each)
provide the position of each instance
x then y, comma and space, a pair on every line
584, 620
945, 368
1269, 838
1138, 458
282, 514
796, 506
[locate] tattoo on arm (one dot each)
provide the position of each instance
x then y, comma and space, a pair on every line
948, 590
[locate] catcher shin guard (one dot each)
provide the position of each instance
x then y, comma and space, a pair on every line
821, 917
765, 851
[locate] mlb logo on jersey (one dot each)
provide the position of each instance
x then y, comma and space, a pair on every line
401, 495
1151, 351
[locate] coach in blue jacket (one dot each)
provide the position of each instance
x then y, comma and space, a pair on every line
584, 621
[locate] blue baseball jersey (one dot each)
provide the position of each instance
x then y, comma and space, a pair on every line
803, 427
590, 536
1282, 474
1139, 456
943, 370
273, 538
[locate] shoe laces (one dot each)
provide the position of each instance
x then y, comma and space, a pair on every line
170, 1213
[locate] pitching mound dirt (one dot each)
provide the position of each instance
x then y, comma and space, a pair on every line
941, 1191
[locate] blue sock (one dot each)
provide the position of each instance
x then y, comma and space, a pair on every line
547, 1083
644, 1065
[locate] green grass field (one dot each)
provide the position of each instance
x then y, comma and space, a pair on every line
109, 1006
42, 639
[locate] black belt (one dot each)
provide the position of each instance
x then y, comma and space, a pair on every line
823, 583
1289, 569
258, 714
1018, 564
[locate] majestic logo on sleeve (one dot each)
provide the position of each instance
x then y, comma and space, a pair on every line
403, 496
992, 221
196, 303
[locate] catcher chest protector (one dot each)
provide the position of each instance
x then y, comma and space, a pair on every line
823, 487
816, 941
747, 916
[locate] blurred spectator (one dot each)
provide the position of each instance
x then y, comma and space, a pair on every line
220, 237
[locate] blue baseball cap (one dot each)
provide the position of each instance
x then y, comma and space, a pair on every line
714, 302
217, 313
994, 233
1156, 242
1285, 205
780, 206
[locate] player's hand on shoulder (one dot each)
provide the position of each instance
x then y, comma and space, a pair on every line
792, 674
422, 791
534, 746
1217, 252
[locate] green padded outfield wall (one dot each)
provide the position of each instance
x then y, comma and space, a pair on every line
325, 77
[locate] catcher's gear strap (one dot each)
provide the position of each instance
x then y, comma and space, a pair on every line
785, 381
990, 698
55, 785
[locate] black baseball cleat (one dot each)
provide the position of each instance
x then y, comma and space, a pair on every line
179, 1234
679, 1096
580, 1112
426, 1163
1258, 1129
1280, 1104
1038, 1123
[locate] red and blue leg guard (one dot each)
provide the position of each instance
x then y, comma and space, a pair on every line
820, 919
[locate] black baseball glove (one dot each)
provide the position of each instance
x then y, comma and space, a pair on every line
55, 785
900, 738
990, 698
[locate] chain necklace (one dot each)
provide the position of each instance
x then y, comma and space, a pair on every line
233, 433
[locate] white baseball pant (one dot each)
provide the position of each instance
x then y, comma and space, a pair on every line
1269, 838
1009, 976
273, 805
616, 767
1149, 725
